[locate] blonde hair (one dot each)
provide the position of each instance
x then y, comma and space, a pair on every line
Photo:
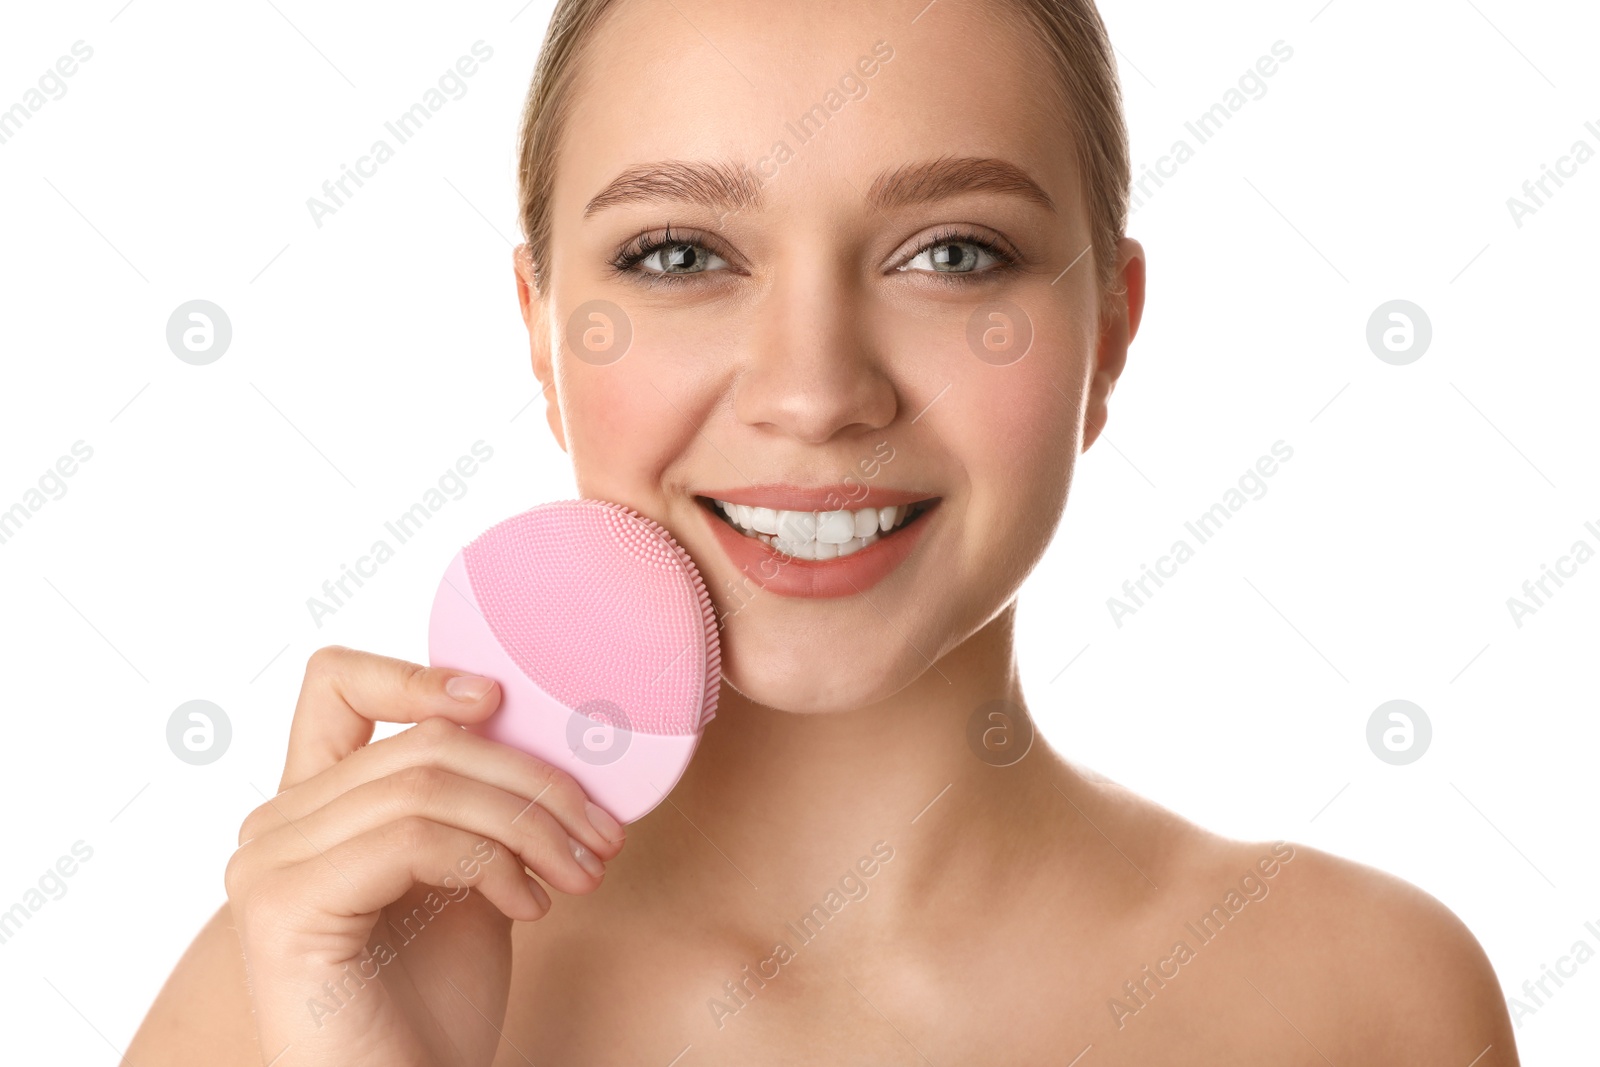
1069, 36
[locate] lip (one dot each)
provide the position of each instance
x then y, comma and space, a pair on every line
784, 497
764, 568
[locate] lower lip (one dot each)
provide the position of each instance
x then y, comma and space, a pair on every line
784, 575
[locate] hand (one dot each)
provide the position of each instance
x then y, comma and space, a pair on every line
373, 896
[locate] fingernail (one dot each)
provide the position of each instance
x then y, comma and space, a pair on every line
538, 893
467, 687
609, 828
586, 859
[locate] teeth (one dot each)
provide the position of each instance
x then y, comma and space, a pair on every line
835, 527
797, 526
856, 544
816, 534
797, 549
819, 549
866, 522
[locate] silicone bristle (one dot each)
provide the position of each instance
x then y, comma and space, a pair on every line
596, 602
708, 612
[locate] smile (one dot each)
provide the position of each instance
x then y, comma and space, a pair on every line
817, 535
797, 542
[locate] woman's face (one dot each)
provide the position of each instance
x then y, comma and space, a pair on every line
876, 295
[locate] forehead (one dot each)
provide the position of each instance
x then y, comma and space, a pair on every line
827, 89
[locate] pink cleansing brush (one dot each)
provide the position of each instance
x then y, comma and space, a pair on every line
603, 639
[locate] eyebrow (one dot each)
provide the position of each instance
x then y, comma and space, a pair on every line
732, 186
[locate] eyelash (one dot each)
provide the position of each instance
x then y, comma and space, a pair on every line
1005, 259
645, 245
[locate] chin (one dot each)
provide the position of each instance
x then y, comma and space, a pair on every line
815, 678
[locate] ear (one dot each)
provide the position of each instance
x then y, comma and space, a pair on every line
1123, 309
536, 317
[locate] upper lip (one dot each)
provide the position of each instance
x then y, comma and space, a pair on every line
843, 496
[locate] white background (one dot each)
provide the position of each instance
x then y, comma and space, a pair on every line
369, 354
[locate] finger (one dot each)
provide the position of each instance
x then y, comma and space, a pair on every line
346, 691
442, 796
437, 743
364, 874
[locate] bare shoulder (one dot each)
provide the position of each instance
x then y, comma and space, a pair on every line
1414, 982
1336, 958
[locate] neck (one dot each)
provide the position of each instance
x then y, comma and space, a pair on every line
786, 803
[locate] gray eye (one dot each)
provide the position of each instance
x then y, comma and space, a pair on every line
684, 258
950, 257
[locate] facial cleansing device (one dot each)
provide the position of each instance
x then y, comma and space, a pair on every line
601, 634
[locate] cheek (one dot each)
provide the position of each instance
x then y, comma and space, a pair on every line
1014, 431
622, 427
1022, 440
1017, 428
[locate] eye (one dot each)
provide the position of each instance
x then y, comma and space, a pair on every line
683, 257
666, 258
959, 253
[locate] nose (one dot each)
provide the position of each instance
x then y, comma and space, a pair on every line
811, 371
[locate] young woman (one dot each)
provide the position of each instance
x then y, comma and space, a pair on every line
871, 255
